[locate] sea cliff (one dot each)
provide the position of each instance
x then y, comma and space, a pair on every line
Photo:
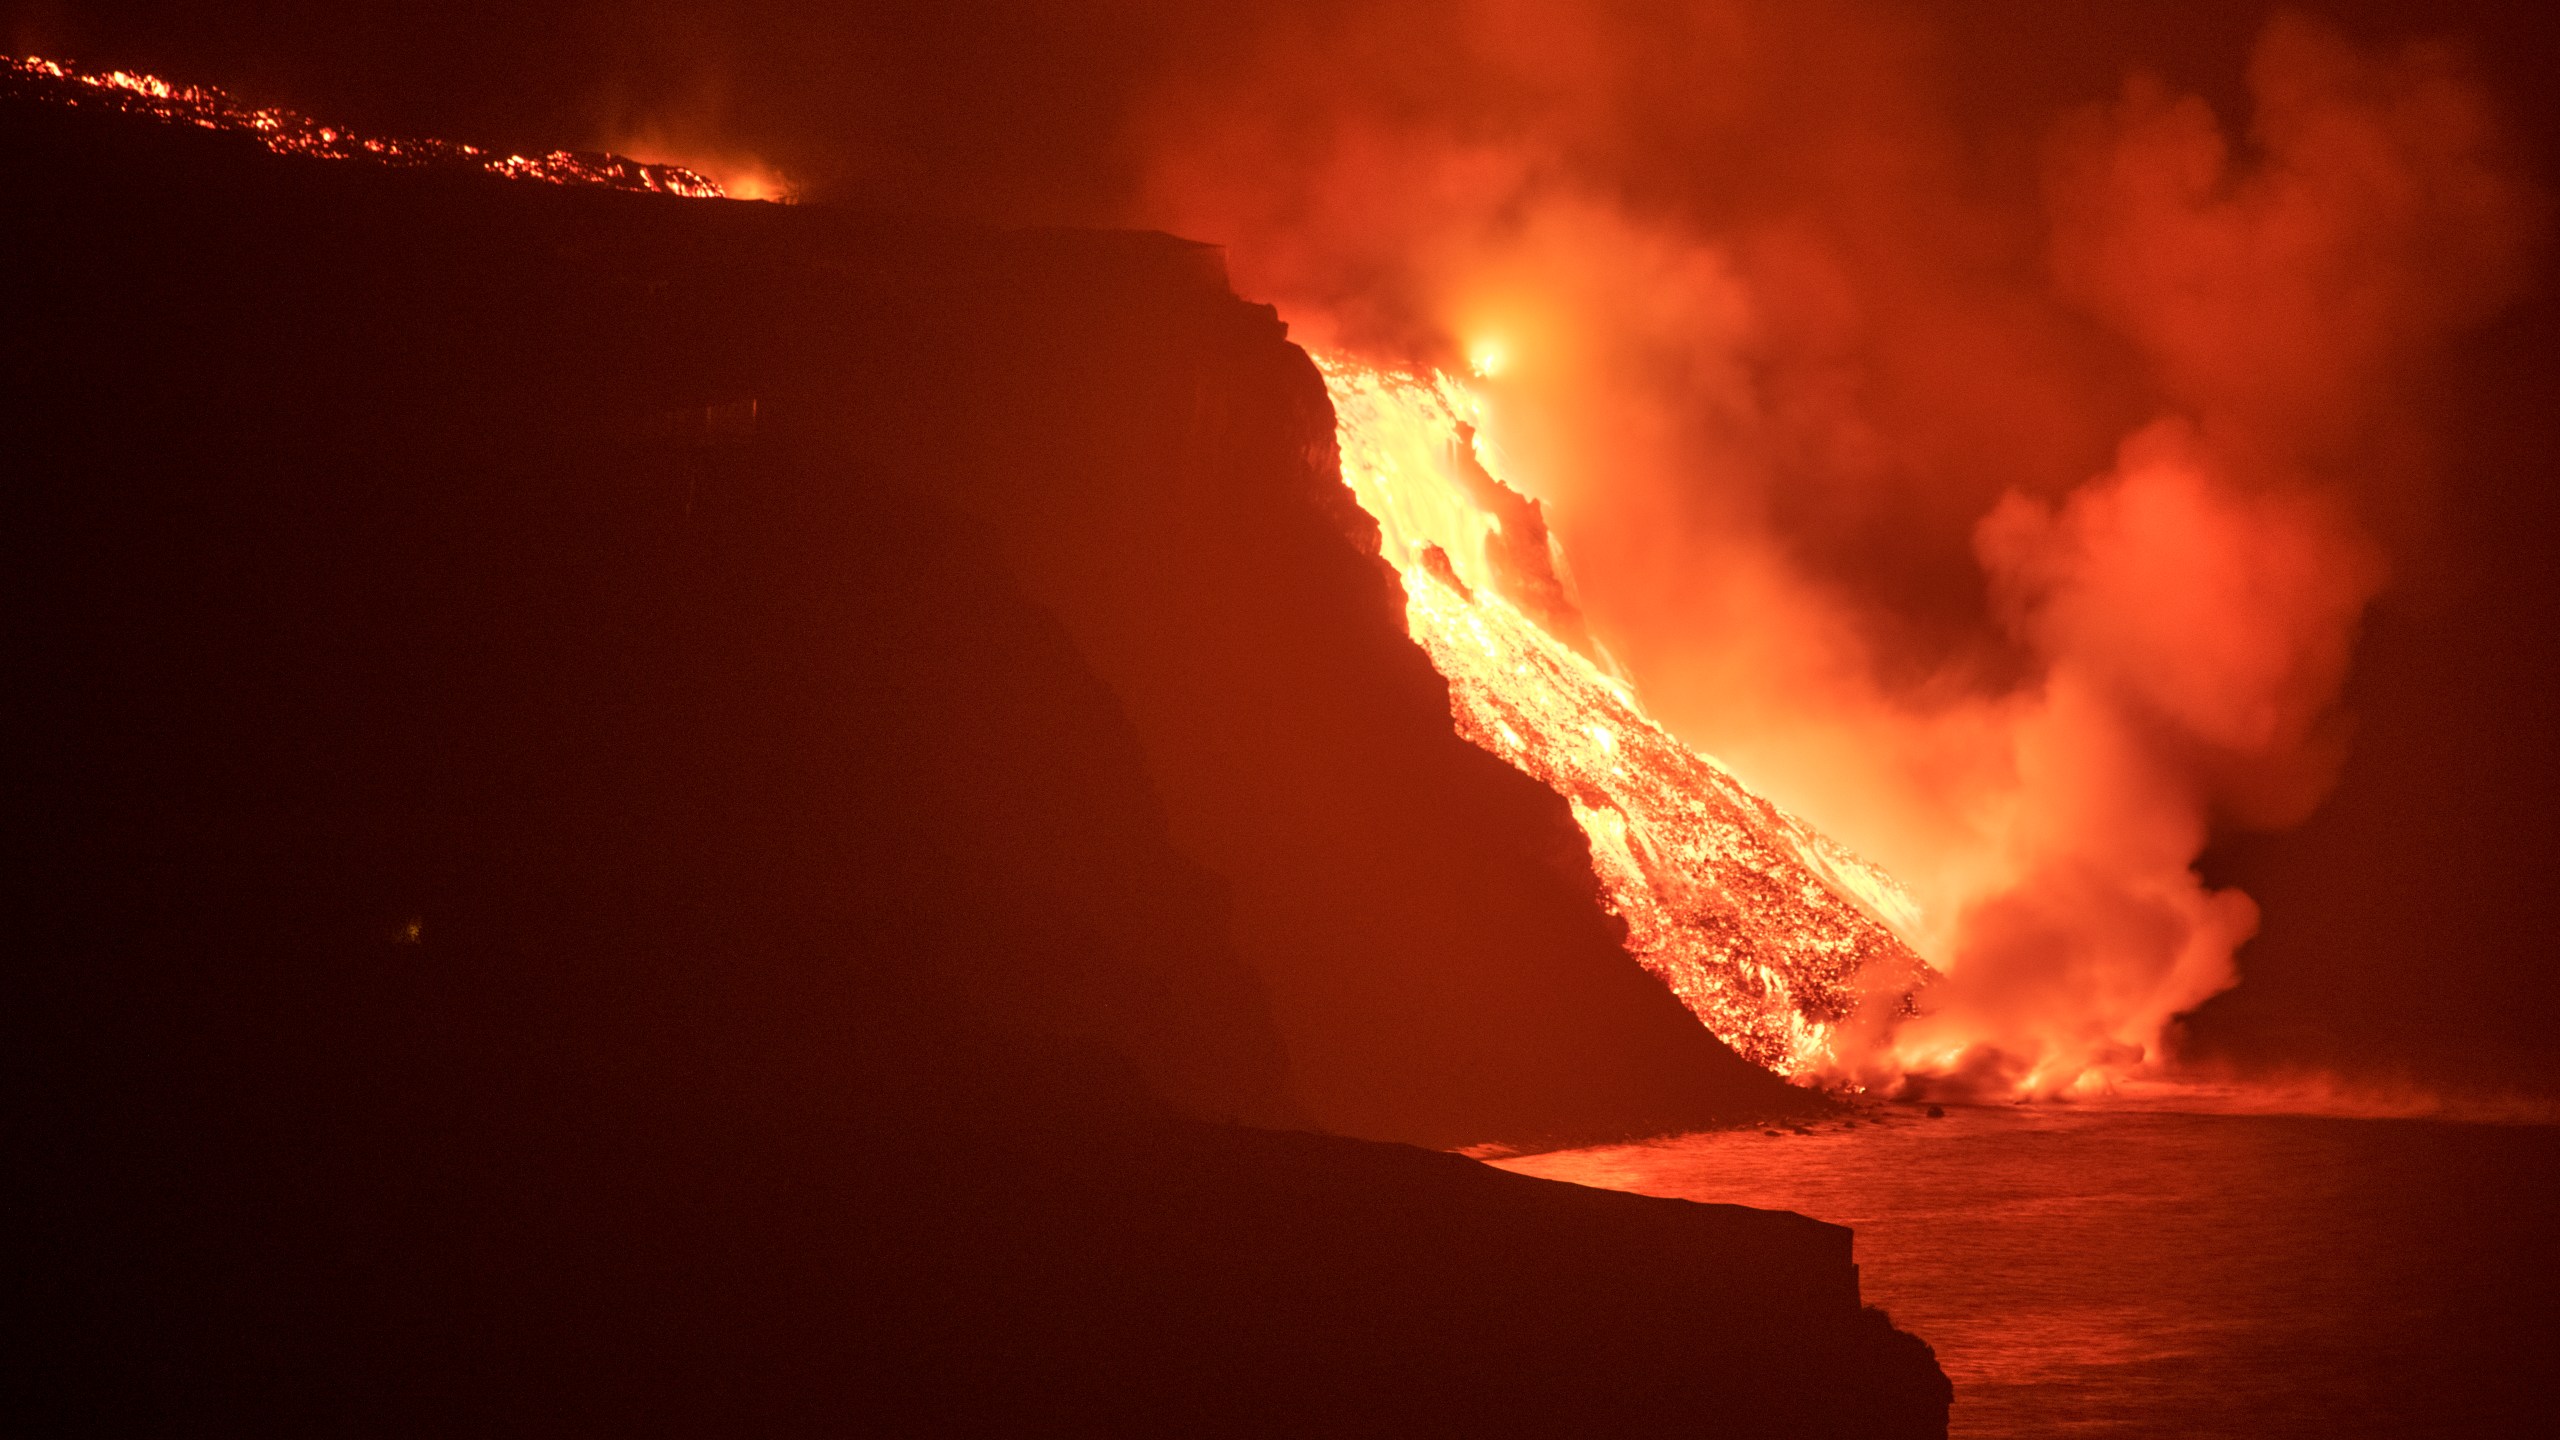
665, 814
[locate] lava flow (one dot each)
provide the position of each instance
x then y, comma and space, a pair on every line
288, 133
1771, 933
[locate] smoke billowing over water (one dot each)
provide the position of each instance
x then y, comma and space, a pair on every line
2019, 534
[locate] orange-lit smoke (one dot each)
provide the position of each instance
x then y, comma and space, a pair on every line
739, 174
687, 122
2007, 510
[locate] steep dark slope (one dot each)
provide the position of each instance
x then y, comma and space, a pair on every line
566, 882
1424, 917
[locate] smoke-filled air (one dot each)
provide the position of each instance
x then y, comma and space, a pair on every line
2007, 512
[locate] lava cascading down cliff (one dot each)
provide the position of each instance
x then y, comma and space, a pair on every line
1774, 935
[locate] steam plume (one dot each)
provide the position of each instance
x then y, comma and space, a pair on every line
2011, 518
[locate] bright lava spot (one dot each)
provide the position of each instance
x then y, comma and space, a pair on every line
1487, 357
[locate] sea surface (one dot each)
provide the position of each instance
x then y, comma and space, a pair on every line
2137, 1273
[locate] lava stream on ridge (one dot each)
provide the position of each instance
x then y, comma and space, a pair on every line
287, 132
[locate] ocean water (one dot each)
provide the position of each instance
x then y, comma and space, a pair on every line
2102, 1272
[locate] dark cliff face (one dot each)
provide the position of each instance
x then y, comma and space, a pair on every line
635, 814
1143, 456
384, 542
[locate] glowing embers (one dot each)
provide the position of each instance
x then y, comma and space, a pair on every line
1771, 933
288, 133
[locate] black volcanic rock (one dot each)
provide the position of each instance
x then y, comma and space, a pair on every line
651, 815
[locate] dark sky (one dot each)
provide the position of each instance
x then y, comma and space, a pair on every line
2404, 927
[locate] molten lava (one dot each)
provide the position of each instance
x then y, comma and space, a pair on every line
288, 133
1774, 936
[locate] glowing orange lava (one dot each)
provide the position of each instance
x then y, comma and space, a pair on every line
288, 133
1774, 936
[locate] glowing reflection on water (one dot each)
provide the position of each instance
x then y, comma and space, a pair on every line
2114, 1273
